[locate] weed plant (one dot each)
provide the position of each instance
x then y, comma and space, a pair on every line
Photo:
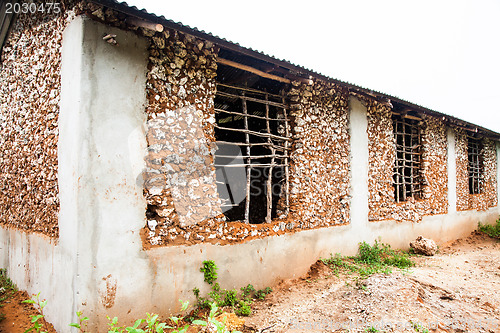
491, 230
371, 259
241, 304
7, 289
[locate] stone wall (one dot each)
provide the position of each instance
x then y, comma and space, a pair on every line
30, 86
382, 204
319, 174
319, 182
180, 180
488, 196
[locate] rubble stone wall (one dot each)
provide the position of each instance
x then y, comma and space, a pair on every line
488, 197
382, 204
180, 184
30, 86
319, 173
320, 181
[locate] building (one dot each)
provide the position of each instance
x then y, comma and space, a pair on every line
134, 148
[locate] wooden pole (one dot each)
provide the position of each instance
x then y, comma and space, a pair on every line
269, 193
287, 134
249, 168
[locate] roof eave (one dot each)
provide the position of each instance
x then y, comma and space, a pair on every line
142, 14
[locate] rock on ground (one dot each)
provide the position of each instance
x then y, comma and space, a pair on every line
424, 246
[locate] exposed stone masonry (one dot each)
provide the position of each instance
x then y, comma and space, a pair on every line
319, 174
180, 179
488, 196
381, 146
319, 182
30, 85
180, 189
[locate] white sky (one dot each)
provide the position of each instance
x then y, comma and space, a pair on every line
441, 54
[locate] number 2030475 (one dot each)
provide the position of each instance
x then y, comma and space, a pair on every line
32, 8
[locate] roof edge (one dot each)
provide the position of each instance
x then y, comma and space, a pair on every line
221, 42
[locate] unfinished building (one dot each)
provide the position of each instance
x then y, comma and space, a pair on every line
124, 130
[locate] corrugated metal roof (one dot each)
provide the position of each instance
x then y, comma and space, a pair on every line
6, 20
293, 68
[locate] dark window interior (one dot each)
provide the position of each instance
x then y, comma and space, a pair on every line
253, 140
407, 168
475, 165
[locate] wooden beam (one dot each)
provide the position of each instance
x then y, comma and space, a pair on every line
145, 24
252, 70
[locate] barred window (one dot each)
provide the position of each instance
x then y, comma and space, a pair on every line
252, 135
407, 167
475, 166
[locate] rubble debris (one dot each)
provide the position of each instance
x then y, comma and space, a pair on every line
424, 246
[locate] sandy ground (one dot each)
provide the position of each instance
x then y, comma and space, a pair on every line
457, 290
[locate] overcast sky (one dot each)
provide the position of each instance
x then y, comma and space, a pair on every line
444, 55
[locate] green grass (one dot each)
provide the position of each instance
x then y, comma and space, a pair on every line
491, 230
371, 259
7, 289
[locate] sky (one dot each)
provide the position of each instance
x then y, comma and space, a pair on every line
441, 54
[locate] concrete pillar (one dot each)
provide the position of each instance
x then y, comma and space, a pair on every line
452, 172
101, 158
359, 164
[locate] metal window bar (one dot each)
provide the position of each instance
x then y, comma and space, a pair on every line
475, 165
273, 146
407, 179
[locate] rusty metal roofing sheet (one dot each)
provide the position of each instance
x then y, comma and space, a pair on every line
6, 20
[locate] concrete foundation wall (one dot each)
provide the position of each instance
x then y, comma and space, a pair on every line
99, 266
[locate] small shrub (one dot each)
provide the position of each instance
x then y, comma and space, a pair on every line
261, 294
209, 271
82, 322
241, 305
371, 259
490, 230
37, 321
247, 291
230, 298
369, 254
7, 289
243, 309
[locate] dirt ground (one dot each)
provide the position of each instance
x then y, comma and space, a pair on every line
18, 315
457, 290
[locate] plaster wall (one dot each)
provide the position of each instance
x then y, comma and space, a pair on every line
452, 172
101, 157
38, 265
358, 123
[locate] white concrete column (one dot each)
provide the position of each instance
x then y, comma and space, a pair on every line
452, 172
101, 152
359, 165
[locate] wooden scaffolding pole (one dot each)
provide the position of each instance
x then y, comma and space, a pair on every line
269, 192
249, 168
287, 134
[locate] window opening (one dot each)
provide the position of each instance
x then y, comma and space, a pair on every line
252, 159
407, 168
475, 165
